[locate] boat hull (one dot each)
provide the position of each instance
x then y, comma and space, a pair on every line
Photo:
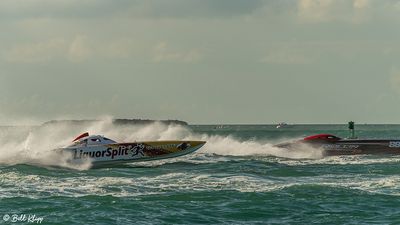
117, 153
349, 146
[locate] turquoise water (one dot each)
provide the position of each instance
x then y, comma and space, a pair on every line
237, 178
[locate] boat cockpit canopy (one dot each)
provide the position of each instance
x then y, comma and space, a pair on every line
322, 137
91, 141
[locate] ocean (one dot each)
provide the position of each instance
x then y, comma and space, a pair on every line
238, 177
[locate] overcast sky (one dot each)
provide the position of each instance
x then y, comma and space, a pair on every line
202, 61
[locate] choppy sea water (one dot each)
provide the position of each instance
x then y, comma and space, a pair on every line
238, 177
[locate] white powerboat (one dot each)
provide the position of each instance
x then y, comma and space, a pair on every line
281, 125
99, 150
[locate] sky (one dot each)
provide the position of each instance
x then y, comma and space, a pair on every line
202, 61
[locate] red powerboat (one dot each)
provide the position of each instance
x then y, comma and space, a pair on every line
333, 145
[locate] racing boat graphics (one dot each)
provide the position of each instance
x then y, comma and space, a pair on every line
333, 145
101, 150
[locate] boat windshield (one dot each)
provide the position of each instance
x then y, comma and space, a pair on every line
79, 143
91, 140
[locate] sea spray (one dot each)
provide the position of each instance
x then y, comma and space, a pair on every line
36, 146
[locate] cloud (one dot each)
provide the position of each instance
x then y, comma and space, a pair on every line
36, 52
195, 8
286, 56
20, 9
315, 11
79, 49
163, 53
119, 48
127, 8
361, 4
76, 50
310, 11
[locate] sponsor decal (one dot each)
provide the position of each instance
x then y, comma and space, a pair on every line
157, 147
394, 144
164, 147
112, 152
138, 150
133, 150
338, 146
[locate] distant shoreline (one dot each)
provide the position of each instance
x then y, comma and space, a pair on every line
114, 121
118, 122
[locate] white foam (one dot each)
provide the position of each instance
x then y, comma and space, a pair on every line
123, 185
34, 186
230, 146
339, 160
